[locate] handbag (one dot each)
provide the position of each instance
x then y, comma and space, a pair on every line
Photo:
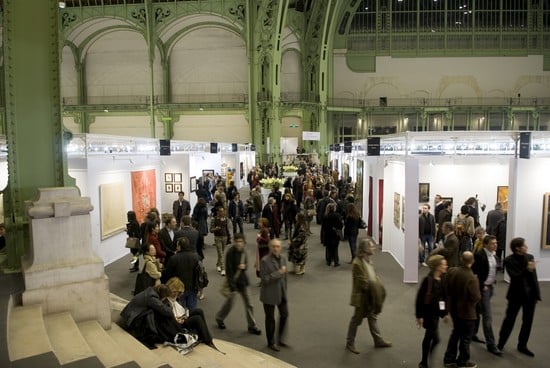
132, 243
362, 224
339, 233
311, 212
225, 290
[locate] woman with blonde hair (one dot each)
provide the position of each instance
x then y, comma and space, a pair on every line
191, 320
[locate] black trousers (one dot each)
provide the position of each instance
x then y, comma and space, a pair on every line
269, 310
431, 338
460, 338
512, 311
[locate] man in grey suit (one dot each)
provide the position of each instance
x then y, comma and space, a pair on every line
273, 293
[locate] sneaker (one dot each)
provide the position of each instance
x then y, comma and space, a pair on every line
223, 273
467, 365
424, 264
219, 269
220, 324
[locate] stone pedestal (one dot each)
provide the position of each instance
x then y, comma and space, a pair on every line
61, 271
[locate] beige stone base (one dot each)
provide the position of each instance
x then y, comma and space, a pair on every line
86, 300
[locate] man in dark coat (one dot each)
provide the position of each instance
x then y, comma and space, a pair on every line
462, 288
236, 262
190, 233
450, 244
183, 265
523, 292
493, 218
180, 208
426, 232
167, 236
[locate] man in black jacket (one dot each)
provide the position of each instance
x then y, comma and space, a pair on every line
183, 266
523, 292
167, 236
236, 262
426, 232
485, 268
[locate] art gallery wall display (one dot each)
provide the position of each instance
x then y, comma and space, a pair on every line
112, 209
168, 177
207, 172
545, 243
359, 186
177, 188
177, 178
423, 192
193, 184
169, 188
403, 213
144, 192
502, 196
396, 209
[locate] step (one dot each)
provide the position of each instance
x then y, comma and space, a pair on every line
104, 347
144, 357
68, 344
28, 339
235, 356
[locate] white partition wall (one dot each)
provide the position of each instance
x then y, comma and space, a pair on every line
176, 164
530, 179
393, 239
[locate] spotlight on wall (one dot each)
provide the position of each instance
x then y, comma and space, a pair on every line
62, 5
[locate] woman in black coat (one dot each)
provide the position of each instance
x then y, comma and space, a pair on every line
351, 228
133, 231
330, 226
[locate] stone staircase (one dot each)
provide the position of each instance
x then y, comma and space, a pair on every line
56, 340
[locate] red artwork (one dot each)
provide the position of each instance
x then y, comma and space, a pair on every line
144, 192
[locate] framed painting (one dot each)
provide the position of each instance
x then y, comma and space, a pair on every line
403, 213
359, 186
397, 209
545, 244
502, 196
177, 188
207, 172
169, 188
168, 177
112, 209
144, 192
193, 184
423, 192
177, 178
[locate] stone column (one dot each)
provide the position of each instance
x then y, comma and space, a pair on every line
61, 271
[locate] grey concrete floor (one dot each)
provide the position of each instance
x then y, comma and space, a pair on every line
320, 312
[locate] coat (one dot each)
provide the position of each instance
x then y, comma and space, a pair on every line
524, 284
273, 284
139, 307
190, 233
463, 292
367, 296
450, 250
183, 266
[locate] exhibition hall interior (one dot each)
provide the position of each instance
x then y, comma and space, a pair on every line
111, 106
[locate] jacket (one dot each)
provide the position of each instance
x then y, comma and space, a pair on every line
147, 300
273, 283
232, 262
463, 292
182, 265
524, 284
366, 295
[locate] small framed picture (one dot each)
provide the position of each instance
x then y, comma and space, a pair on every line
193, 184
423, 192
177, 178
168, 177
177, 188
169, 188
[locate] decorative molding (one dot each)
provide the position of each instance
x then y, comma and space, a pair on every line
67, 19
238, 12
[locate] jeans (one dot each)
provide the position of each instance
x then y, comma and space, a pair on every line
189, 300
352, 239
356, 321
228, 305
461, 337
220, 241
237, 221
429, 240
270, 321
486, 315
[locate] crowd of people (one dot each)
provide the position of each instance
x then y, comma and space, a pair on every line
462, 260
474, 256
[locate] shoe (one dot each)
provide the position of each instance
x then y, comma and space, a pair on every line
255, 330
422, 365
337, 265
383, 344
134, 269
477, 339
450, 365
494, 350
201, 296
223, 273
352, 348
524, 350
467, 365
134, 261
283, 345
424, 264
221, 325
219, 269
500, 347
273, 347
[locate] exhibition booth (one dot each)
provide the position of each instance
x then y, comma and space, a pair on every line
412, 168
127, 173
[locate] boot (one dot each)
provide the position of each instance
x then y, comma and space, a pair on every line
301, 271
